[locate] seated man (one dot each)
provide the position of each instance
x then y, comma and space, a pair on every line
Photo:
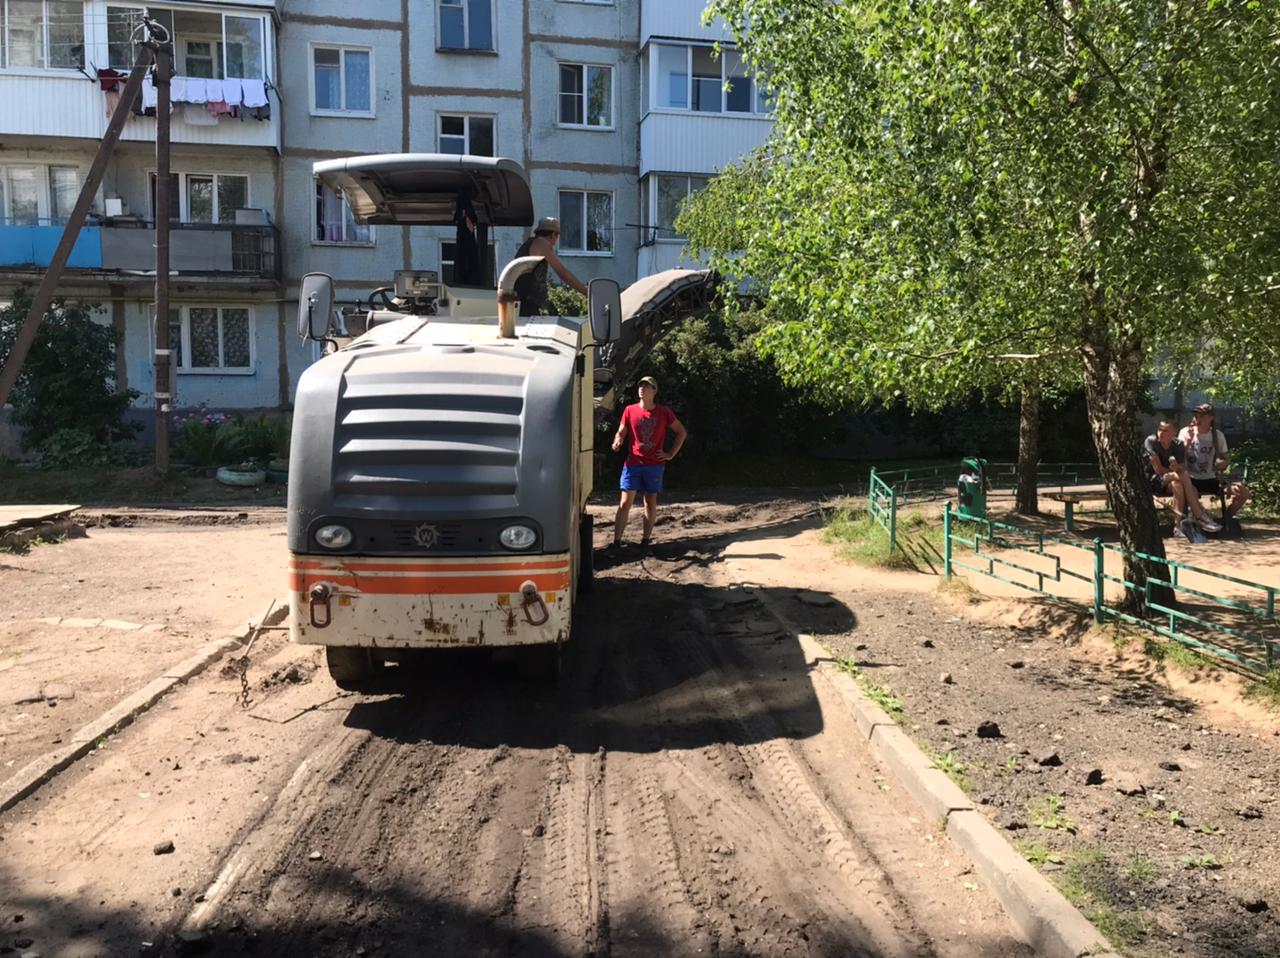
1207, 458
1164, 460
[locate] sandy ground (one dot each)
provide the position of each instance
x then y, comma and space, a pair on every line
688, 788
88, 620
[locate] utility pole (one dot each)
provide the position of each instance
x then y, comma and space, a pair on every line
71, 232
162, 47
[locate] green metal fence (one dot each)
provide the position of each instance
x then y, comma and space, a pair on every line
1250, 623
882, 506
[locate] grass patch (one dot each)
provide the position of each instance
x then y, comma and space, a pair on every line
1037, 854
115, 485
1141, 870
1171, 653
882, 695
1088, 884
1048, 813
865, 541
1266, 690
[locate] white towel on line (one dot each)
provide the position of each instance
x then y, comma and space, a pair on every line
255, 92
178, 90
148, 93
232, 91
197, 90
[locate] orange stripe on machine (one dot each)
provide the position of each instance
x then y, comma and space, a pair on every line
439, 584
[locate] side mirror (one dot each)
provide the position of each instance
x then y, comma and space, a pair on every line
604, 306
315, 306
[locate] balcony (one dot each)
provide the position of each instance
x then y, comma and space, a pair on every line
688, 142
205, 252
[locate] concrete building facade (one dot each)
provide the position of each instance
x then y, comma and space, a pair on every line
617, 109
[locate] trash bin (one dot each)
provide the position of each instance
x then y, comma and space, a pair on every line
972, 488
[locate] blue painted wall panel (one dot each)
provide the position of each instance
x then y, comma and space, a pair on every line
34, 246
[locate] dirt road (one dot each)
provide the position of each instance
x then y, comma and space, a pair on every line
689, 788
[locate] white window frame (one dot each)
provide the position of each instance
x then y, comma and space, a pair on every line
184, 312
466, 136
613, 99
343, 244
44, 190
184, 211
613, 215
136, 8
466, 29
342, 49
44, 39
493, 248
655, 87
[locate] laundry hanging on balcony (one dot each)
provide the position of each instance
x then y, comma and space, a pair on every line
246, 99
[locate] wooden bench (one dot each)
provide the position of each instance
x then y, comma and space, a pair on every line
1069, 501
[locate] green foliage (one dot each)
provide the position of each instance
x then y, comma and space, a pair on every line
208, 443
961, 195
565, 300
69, 448
67, 381
1049, 813
728, 395
1037, 854
1263, 457
263, 438
1266, 690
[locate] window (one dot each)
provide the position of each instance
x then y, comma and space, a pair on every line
466, 134
448, 256
586, 219
208, 45
334, 222
700, 79
204, 197
45, 34
465, 25
586, 95
211, 338
31, 194
342, 80
64, 190
124, 34
668, 197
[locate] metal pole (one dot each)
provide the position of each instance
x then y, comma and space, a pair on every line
164, 70
71, 232
946, 539
1099, 584
893, 518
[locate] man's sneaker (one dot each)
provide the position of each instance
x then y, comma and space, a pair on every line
1208, 525
1178, 533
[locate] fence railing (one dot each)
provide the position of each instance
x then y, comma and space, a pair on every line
1243, 629
882, 506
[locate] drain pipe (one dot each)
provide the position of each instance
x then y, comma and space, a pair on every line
507, 293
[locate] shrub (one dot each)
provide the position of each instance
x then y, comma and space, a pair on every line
68, 379
264, 438
208, 442
69, 449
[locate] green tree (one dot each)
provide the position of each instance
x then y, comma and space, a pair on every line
1086, 184
67, 381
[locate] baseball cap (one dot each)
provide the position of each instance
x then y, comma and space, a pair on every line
648, 381
548, 224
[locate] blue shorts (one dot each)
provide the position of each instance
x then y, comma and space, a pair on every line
641, 478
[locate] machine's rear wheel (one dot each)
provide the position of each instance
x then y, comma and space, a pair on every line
351, 666
586, 553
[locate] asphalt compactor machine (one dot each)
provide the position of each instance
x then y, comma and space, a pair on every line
441, 460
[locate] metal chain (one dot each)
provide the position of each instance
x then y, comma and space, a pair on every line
245, 697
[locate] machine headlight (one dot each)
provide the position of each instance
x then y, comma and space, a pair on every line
334, 537
517, 537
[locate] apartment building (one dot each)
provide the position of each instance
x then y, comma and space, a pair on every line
618, 109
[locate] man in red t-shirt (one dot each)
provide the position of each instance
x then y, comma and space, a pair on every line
647, 424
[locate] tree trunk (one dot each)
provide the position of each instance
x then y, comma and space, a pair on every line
1029, 448
1113, 377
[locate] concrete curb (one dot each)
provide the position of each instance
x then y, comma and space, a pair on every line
1042, 916
40, 770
